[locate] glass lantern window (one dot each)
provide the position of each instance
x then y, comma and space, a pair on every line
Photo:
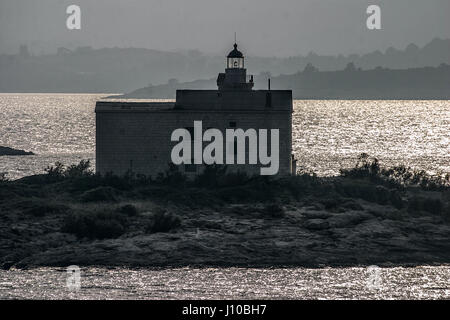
235, 63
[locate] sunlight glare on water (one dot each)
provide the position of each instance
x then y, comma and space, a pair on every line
229, 283
327, 135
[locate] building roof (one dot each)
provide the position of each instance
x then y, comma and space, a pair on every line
235, 53
141, 106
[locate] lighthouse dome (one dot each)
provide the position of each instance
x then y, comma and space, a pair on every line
235, 53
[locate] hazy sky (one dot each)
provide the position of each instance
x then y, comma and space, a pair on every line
264, 27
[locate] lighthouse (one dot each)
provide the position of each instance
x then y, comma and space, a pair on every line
235, 76
137, 136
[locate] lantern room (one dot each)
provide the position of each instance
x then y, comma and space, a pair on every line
235, 76
235, 59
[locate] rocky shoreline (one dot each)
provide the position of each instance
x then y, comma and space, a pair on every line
303, 221
305, 237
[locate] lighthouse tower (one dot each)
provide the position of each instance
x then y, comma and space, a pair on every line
235, 76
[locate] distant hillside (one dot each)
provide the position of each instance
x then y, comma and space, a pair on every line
124, 69
350, 83
167, 91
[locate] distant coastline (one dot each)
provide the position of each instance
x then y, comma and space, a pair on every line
89, 70
429, 83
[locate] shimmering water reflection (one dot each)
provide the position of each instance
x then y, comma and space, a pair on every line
230, 283
327, 135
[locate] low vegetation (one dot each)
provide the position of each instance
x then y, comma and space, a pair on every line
163, 221
368, 215
97, 206
3, 177
397, 176
95, 225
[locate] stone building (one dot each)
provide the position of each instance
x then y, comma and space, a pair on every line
136, 136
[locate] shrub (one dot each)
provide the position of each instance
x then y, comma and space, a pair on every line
365, 167
397, 176
3, 177
96, 225
172, 176
142, 179
55, 172
163, 221
59, 171
79, 170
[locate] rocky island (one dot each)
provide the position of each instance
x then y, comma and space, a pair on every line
367, 215
6, 151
